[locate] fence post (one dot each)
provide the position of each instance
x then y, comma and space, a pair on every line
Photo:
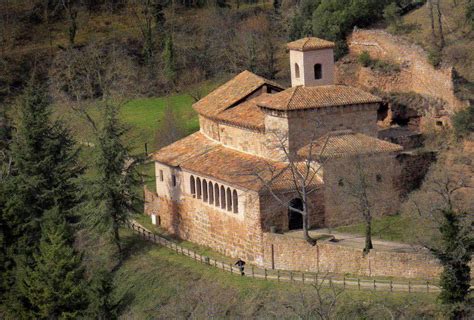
194, 255
265, 273
278, 275
316, 278
409, 287
391, 286
358, 283
291, 276
375, 287
231, 270
344, 282
427, 286
253, 272
302, 277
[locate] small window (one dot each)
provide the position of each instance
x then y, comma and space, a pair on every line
223, 206
439, 123
192, 186
235, 201
204, 190
378, 177
229, 200
211, 193
216, 195
173, 180
198, 187
341, 182
161, 175
318, 71
297, 70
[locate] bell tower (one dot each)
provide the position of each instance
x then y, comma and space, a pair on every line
311, 62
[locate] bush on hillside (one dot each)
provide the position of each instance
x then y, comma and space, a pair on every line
435, 57
377, 65
463, 121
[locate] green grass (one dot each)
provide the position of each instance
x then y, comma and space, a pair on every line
393, 228
155, 282
144, 117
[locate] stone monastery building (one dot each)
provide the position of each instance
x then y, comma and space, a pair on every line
232, 182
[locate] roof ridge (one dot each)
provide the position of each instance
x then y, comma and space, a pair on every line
292, 95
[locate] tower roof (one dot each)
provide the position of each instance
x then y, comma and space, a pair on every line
310, 43
302, 97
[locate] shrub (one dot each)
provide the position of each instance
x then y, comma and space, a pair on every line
364, 59
463, 121
435, 57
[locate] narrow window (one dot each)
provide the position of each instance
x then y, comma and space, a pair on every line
378, 177
211, 193
216, 194
198, 186
297, 70
318, 71
204, 190
173, 180
229, 200
161, 175
235, 201
192, 186
341, 182
222, 197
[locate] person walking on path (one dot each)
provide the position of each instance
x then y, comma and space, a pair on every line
241, 263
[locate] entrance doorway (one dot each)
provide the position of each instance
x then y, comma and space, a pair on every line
295, 219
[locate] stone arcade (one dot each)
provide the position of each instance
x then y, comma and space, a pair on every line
206, 190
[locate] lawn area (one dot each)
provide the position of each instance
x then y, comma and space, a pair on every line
392, 228
144, 116
157, 283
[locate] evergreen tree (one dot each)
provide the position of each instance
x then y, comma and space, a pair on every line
115, 189
169, 60
54, 286
454, 253
43, 175
103, 306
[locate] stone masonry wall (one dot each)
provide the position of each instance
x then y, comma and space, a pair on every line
343, 178
416, 75
297, 254
191, 219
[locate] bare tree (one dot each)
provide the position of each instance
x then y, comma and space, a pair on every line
70, 6
142, 11
300, 176
440, 23
170, 127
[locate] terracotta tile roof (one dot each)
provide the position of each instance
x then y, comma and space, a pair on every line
346, 143
310, 43
246, 114
200, 155
192, 146
301, 97
231, 92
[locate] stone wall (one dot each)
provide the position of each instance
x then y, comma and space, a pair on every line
296, 254
344, 177
416, 74
191, 219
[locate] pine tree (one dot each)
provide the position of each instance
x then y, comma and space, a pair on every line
169, 60
54, 286
115, 189
43, 175
103, 306
454, 253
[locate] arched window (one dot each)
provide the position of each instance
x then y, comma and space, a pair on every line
297, 70
318, 71
235, 201
192, 185
229, 200
204, 190
198, 187
211, 193
222, 197
216, 194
